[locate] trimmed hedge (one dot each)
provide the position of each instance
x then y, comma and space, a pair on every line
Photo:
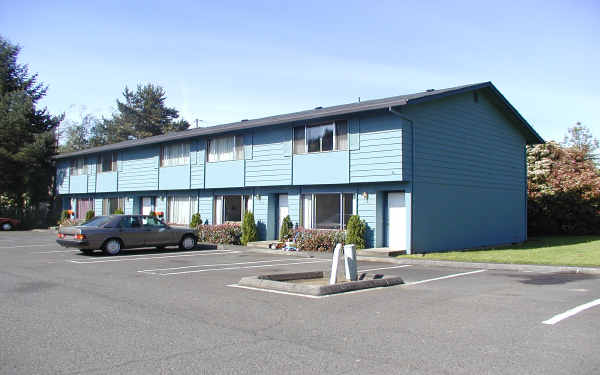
356, 231
318, 239
196, 220
229, 233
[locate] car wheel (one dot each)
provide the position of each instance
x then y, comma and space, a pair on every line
6, 226
87, 251
112, 247
188, 242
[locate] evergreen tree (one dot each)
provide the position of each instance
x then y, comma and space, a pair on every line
27, 140
249, 233
77, 134
143, 113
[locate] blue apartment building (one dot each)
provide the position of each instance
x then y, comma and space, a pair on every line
431, 171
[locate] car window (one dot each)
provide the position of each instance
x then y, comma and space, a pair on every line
130, 222
98, 221
151, 221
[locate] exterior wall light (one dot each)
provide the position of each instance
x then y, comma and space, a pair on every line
365, 195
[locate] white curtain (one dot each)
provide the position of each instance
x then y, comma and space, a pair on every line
221, 149
176, 154
178, 210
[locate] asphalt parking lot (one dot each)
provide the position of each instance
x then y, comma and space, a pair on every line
158, 312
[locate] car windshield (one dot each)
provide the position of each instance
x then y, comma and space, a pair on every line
97, 221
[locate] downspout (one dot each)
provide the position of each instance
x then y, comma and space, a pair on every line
412, 171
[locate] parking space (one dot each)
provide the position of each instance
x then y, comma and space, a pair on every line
140, 299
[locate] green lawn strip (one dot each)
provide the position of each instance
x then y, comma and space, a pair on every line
581, 251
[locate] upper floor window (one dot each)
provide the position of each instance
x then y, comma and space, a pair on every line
226, 148
320, 138
107, 162
78, 167
175, 154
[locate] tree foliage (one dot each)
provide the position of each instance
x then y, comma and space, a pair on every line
142, 113
356, 231
249, 233
564, 186
27, 140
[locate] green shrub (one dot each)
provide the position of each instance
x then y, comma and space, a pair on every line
118, 211
228, 233
196, 220
89, 215
249, 233
285, 231
355, 232
317, 239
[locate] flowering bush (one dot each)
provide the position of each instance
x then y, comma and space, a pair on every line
317, 239
564, 190
229, 233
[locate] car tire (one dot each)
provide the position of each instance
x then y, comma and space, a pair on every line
7, 226
188, 242
87, 251
112, 247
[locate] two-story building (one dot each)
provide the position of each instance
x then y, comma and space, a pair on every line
436, 170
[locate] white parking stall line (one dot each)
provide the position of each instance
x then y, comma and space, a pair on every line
234, 268
444, 277
569, 313
212, 265
385, 268
145, 257
274, 291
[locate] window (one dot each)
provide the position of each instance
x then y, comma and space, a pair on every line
83, 206
130, 222
110, 205
326, 211
231, 208
321, 138
179, 210
107, 162
78, 167
225, 148
175, 154
151, 221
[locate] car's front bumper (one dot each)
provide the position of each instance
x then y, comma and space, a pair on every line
80, 244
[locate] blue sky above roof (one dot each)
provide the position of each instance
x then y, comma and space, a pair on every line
224, 61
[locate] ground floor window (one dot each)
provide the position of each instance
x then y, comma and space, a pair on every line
326, 211
231, 208
83, 205
147, 205
110, 205
179, 210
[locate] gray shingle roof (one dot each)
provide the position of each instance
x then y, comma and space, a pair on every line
316, 113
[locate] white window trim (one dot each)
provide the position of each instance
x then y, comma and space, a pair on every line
313, 209
235, 156
335, 140
172, 161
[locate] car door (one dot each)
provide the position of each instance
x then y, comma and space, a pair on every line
156, 233
131, 231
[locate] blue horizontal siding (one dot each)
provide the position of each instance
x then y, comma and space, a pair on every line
78, 184
321, 168
379, 155
269, 164
139, 169
224, 174
174, 178
106, 182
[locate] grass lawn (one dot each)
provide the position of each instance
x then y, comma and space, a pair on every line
556, 250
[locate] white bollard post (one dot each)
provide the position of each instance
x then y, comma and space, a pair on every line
334, 264
350, 262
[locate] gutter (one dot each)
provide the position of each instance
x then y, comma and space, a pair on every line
412, 171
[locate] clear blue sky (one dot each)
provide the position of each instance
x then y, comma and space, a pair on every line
223, 61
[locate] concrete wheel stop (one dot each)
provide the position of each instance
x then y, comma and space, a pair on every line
320, 283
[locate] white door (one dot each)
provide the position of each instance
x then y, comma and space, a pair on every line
396, 224
146, 205
283, 208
